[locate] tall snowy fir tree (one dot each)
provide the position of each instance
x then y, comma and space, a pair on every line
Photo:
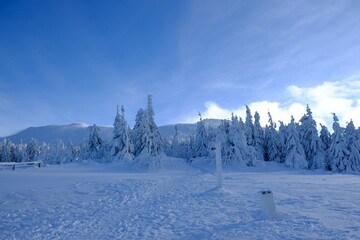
353, 146
153, 139
259, 138
311, 142
201, 139
234, 148
338, 153
148, 141
282, 137
8, 153
272, 142
178, 147
227, 153
72, 152
94, 144
242, 124
45, 155
21, 149
33, 150
175, 144
240, 152
121, 145
325, 138
139, 131
190, 148
295, 155
249, 128
58, 152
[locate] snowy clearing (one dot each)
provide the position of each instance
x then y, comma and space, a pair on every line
113, 201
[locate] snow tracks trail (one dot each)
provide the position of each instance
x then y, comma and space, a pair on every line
77, 203
161, 205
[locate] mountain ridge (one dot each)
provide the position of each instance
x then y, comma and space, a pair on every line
77, 132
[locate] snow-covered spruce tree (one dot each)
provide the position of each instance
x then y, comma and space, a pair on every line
295, 155
311, 142
259, 138
227, 147
282, 138
139, 131
153, 138
233, 143
147, 139
242, 124
249, 128
190, 151
325, 138
72, 152
174, 150
201, 139
357, 133
21, 150
338, 153
178, 147
121, 146
8, 151
45, 155
32, 150
94, 144
353, 146
272, 142
57, 149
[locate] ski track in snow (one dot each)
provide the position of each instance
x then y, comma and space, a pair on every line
183, 205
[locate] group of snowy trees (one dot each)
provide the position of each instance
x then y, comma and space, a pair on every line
296, 144
143, 144
53, 153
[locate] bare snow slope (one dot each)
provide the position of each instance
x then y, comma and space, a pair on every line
113, 201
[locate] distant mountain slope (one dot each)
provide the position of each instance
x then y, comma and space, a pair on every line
77, 132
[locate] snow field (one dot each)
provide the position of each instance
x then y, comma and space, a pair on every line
112, 201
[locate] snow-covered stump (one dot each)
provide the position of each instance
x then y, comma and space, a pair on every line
267, 203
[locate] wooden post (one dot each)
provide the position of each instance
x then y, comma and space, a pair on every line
13, 167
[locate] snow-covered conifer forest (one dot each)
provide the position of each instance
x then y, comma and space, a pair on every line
243, 143
142, 185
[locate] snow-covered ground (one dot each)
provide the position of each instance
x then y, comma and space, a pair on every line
114, 201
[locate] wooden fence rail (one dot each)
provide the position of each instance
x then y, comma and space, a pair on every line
14, 164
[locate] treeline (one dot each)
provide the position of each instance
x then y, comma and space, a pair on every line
296, 145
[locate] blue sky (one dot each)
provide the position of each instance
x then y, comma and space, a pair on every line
74, 61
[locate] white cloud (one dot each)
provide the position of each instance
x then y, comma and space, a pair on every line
277, 111
340, 97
